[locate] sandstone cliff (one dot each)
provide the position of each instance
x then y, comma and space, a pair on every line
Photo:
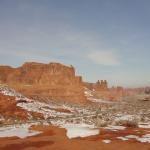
53, 80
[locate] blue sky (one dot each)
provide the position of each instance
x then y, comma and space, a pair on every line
103, 39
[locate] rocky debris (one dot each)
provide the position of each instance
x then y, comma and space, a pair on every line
54, 80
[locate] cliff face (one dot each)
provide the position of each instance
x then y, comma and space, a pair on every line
52, 80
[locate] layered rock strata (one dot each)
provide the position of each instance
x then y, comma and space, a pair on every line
53, 80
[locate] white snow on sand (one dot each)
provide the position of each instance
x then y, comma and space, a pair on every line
122, 138
95, 100
123, 117
19, 131
144, 125
131, 136
143, 139
115, 128
107, 141
8, 91
42, 108
80, 130
89, 95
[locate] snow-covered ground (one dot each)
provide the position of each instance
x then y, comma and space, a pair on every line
21, 131
35, 106
80, 130
8, 91
80, 121
42, 108
121, 117
107, 141
95, 100
88, 92
122, 138
143, 139
144, 125
115, 128
90, 97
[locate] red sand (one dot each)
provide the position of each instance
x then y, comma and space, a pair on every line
54, 138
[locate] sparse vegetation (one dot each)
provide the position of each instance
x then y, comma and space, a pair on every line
128, 123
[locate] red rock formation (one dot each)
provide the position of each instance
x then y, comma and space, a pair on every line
100, 90
52, 80
98, 86
101, 85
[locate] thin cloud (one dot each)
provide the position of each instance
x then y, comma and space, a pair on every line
107, 58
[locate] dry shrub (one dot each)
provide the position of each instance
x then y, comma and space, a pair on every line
128, 123
101, 123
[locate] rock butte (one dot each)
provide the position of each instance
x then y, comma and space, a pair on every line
53, 80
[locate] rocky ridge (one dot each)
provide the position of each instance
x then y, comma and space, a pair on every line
53, 80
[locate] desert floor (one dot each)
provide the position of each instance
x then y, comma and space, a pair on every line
54, 138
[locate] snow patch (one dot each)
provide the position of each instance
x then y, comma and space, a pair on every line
107, 141
120, 117
8, 91
144, 125
115, 128
143, 139
95, 100
122, 138
131, 136
80, 130
19, 131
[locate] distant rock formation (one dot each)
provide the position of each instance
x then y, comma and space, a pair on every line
101, 85
53, 80
101, 90
98, 86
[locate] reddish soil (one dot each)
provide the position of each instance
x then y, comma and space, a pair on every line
11, 112
8, 108
54, 138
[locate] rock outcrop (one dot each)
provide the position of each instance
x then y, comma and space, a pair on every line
100, 90
53, 80
100, 85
